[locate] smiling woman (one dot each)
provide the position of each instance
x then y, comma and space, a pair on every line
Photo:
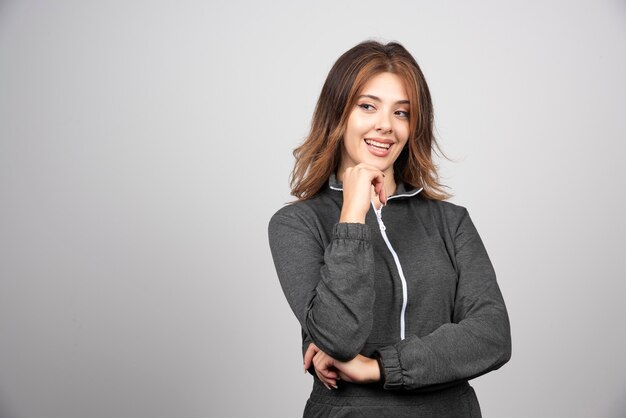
397, 298
343, 90
378, 126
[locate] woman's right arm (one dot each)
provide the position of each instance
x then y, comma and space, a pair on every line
331, 289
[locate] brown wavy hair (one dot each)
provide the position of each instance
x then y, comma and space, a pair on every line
318, 156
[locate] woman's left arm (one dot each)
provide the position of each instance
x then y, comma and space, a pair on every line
477, 341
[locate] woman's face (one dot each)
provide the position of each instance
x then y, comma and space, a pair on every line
378, 126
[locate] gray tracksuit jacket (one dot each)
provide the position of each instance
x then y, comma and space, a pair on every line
413, 286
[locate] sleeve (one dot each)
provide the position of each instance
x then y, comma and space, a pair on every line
330, 290
477, 341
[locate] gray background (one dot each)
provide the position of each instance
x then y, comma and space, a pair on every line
145, 144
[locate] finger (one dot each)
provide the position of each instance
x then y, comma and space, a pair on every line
324, 368
321, 378
326, 382
328, 374
343, 376
311, 350
382, 196
329, 383
379, 187
331, 374
321, 362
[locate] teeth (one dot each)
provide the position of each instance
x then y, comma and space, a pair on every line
377, 144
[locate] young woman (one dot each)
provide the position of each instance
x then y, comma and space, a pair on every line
393, 288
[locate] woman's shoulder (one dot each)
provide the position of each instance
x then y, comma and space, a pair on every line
291, 211
448, 210
298, 209
447, 217
305, 212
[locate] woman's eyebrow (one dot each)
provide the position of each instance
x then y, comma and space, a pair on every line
377, 99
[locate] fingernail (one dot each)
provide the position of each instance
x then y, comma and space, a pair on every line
335, 386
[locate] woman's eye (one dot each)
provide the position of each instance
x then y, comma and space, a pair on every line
402, 113
366, 106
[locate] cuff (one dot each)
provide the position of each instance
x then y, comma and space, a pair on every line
390, 368
352, 231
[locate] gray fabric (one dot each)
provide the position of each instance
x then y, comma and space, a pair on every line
343, 285
458, 401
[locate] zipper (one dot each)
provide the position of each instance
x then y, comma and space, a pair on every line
383, 229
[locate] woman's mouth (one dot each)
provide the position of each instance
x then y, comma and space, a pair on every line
377, 147
374, 143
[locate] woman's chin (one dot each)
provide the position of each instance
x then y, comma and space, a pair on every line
383, 165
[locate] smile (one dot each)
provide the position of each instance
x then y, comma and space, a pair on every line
377, 144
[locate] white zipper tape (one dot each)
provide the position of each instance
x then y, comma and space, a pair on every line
383, 231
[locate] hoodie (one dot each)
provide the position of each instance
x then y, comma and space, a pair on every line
413, 286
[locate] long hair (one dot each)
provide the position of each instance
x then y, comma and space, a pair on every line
318, 156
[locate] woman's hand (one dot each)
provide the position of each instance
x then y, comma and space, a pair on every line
324, 366
357, 191
360, 369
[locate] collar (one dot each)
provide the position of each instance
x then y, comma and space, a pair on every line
401, 189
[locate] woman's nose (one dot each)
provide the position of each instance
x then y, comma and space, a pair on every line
383, 125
